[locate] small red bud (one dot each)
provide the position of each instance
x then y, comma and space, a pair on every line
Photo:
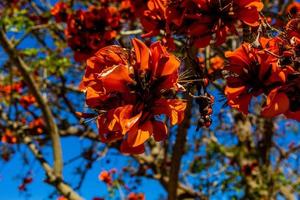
209, 111
205, 82
207, 124
212, 99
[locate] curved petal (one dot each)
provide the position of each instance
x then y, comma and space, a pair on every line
139, 135
173, 108
126, 148
160, 131
256, 4
241, 103
277, 103
142, 54
239, 56
293, 115
203, 41
163, 63
249, 16
94, 98
234, 92
169, 82
115, 78
125, 118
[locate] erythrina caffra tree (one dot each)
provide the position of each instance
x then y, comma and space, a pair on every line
200, 96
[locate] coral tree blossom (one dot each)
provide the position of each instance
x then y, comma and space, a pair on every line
105, 176
87, 31
204, 18
251, 73
59, 11
130, 89
284, 99
134, 196
201, 20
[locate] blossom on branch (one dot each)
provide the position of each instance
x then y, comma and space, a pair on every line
130, 89
251, 73
201, 20
284, 100
87, 31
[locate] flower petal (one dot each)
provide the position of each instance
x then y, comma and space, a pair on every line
126, 148
115, 78
125, 118
163, 62
142, 54
138, 136
160, 131
277, 103
173, 108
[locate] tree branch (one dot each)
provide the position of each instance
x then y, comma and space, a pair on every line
48, 117
57, 182
178, 151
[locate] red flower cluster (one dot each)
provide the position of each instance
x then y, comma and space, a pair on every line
201, 20
9, 137
293, 9
272, 69
87, 31
27, 100
105, 176
130, 89
37, 126
60, 12
8, 89
134, 196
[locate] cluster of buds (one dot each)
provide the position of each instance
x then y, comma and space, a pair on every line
106, 176
205, 103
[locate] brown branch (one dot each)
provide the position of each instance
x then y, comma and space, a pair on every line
30, 30
48, 117
178, 151
54, 180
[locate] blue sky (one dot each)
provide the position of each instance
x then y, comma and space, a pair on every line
92, 187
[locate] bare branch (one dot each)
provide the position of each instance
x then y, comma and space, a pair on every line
57, 182
49, 119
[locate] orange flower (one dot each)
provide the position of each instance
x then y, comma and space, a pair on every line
293, 27
251, 73
216, 64
286, 49
131, 9
59, 11
134, 196
284, 100
105, 176
37, 126
200, 19
9, 137
8, 89
27, 100
131, 88
87, 31
153, 19
222, 18
293, 9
